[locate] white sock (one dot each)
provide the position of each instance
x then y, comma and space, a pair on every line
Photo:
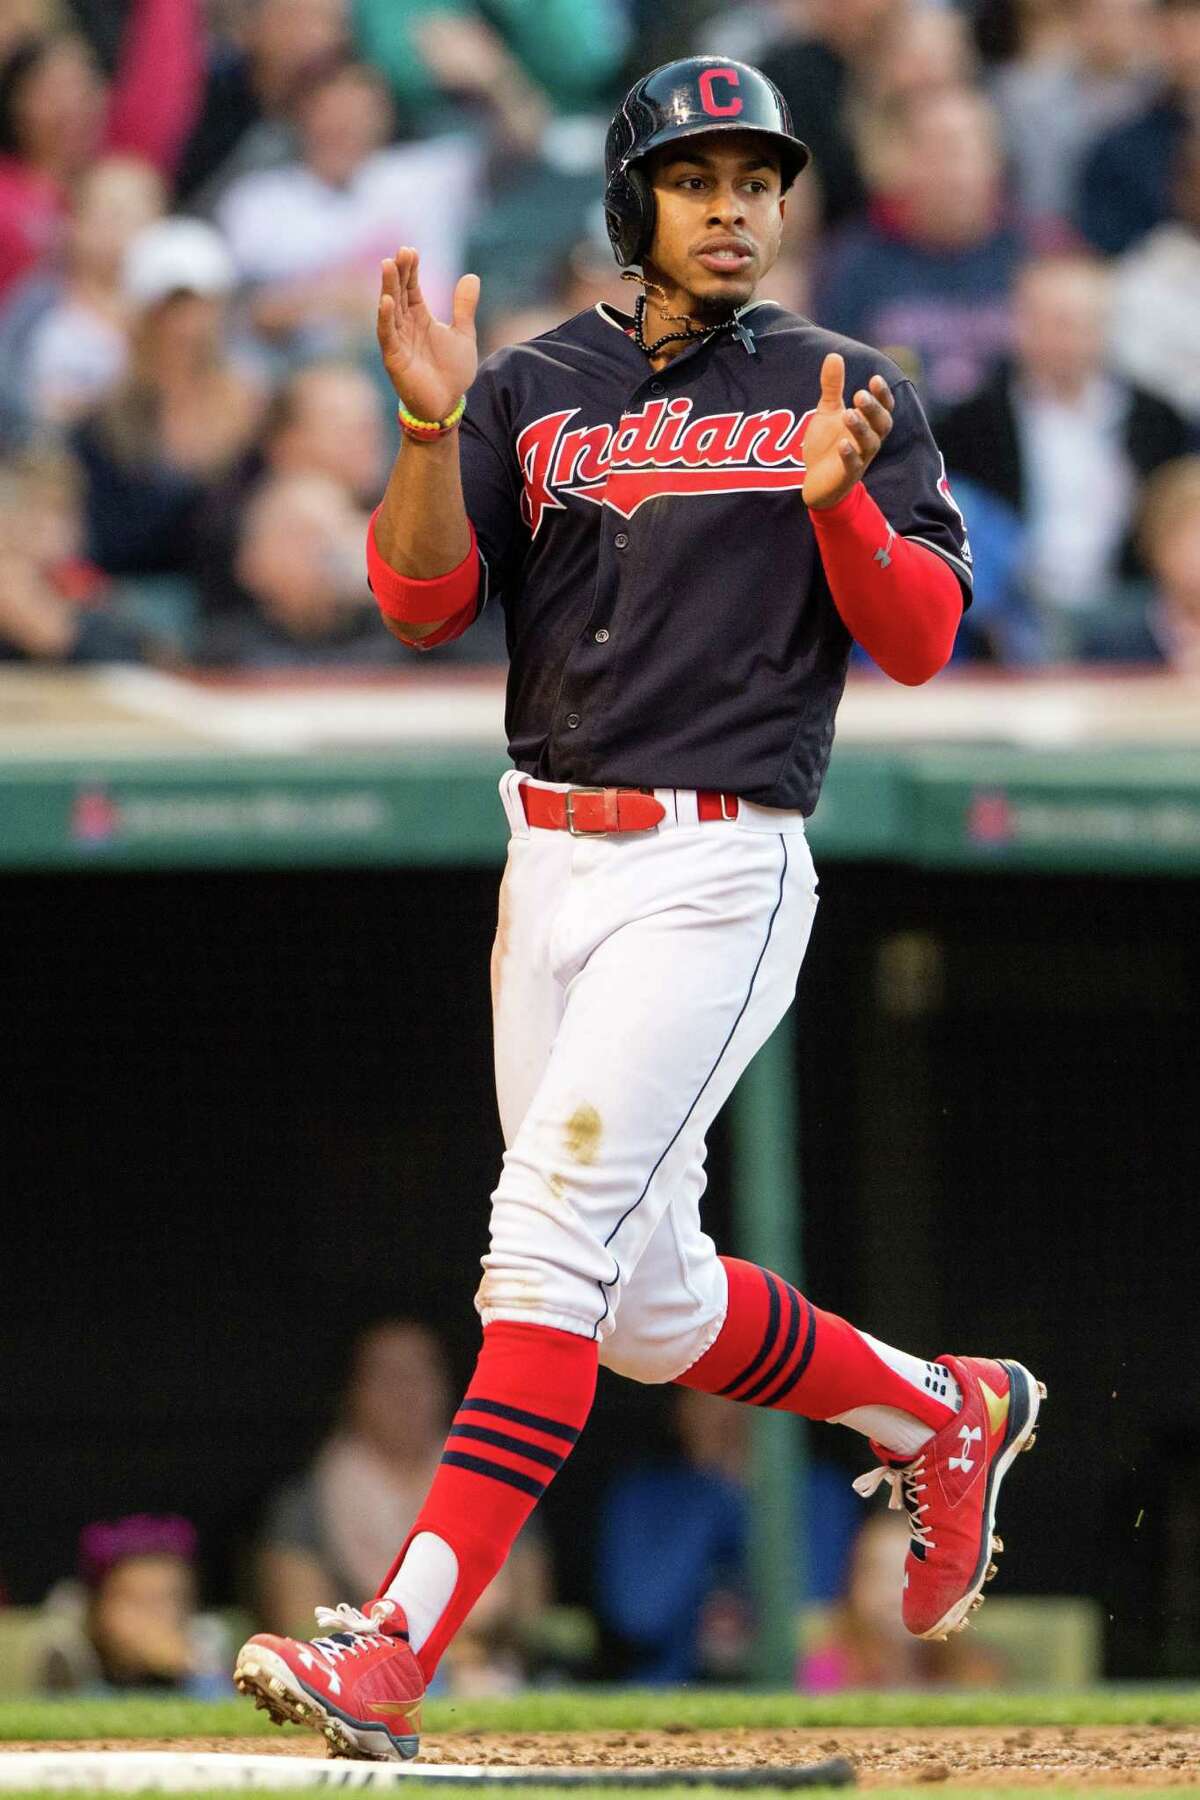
929, 1378
897, 1431
424, 1584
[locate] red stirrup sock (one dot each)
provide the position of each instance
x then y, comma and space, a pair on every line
777, 1349
528, 1401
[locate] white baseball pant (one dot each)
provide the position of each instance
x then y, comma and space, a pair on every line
633, 978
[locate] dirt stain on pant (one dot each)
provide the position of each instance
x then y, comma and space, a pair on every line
513, 1288
582, 1134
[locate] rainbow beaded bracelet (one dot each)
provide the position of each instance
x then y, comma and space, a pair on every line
425, 430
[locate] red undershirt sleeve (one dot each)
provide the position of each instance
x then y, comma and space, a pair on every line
404, 600
897, 599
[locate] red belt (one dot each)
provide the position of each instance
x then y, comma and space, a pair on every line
592, 812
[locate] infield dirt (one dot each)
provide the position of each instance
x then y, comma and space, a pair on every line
983, 1757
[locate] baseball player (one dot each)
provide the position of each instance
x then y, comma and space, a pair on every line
688, 514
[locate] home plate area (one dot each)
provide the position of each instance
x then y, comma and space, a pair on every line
978, 1757
94, 1770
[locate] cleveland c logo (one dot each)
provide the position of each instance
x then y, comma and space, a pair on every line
660, 450
714, 106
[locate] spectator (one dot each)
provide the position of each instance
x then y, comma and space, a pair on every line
1055, 107
928, 278
326, 420
309, 237
299, 561
1063, 442
920, 48
1000, 625
584, 275
837, 61
865, 1644
869, 56
1170, 544
532, 58
64, 338
814, 66
243, 123
1156, 316
671, 1577
1126, 183
182, 417
1167, 630
54, 606
133, 1622
57, 113
335, 1530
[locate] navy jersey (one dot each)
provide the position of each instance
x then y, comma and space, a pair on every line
668, 619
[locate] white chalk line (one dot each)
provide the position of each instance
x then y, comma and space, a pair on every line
179, 1771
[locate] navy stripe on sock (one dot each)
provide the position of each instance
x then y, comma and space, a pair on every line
797, 1374
528, 1484
764, 1349
785, 1355
535, 1421
553, 1459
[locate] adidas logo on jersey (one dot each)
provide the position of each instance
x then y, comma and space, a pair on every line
660, 450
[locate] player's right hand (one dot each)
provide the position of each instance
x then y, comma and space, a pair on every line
430, 365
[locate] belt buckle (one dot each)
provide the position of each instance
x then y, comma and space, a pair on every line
582, 831
725, 812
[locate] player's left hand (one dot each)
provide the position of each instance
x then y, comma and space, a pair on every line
842, 441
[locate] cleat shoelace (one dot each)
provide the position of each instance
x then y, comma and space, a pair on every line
353, 1632
907, 1487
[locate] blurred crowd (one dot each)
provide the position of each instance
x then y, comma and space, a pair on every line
670, 1597
195, 196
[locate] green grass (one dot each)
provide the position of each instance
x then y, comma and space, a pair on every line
624, 1710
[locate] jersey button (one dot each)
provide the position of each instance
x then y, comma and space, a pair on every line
622, 540
656, 387
572, 721
602, 636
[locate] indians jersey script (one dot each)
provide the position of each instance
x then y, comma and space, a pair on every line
668, 619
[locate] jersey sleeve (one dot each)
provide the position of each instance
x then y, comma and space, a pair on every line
491, 487
908, 483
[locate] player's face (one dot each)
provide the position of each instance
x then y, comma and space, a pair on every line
719, 220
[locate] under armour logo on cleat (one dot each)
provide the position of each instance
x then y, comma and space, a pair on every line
969, 1435
883, 557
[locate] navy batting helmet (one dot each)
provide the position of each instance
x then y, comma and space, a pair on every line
681, 100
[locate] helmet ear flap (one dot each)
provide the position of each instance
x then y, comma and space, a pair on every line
629, 212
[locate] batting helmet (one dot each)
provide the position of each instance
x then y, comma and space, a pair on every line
681, 100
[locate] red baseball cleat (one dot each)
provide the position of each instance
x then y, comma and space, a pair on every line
949, 1492
360, 1685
